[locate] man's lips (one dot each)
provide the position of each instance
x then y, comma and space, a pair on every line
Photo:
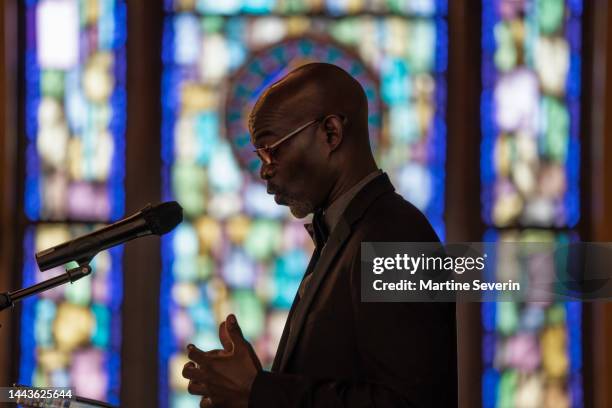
278, 197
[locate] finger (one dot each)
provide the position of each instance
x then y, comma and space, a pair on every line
233, 331
190, 364
254, 357
235, 334
187, 368
195, 354
206, 403
224, 337
198, 388
195, 373
234, 328
215, 353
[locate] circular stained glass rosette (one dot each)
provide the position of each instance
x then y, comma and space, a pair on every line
271, 64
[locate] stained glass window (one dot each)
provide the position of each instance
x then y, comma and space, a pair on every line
529, 165
75, 123
237, 251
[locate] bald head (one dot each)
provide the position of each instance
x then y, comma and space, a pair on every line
311, 129
313, 91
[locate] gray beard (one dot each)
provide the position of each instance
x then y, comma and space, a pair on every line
299, 209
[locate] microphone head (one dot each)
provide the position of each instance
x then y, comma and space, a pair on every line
163, 217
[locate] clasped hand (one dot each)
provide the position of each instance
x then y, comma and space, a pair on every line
223, 377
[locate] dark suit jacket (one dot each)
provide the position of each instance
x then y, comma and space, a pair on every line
341, 352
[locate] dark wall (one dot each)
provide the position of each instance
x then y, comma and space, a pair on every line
142, 261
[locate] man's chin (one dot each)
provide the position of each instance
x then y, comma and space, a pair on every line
299, 210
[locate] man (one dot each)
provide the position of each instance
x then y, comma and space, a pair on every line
310, 130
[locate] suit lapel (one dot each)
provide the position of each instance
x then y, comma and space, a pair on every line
335, 242
280, 352
331, 248
283, 341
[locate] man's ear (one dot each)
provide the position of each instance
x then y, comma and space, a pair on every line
334, 131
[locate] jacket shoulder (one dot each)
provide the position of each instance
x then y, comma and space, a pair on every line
392, 218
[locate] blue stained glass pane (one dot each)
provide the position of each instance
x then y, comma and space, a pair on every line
75, 104
256, 250
518, 99
541, 341
530, 113
490, 380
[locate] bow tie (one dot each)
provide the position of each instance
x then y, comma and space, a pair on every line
319, 233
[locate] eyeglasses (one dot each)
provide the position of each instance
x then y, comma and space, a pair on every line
265, 153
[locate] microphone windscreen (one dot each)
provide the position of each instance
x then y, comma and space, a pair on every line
163, 217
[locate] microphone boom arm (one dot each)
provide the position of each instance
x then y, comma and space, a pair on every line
8, 299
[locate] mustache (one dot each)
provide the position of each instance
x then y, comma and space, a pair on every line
272, 189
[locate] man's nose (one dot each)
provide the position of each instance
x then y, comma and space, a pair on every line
267, 171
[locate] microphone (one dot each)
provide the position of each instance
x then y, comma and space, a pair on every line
158, 219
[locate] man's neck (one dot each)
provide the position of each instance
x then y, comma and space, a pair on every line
334, 210
347, 182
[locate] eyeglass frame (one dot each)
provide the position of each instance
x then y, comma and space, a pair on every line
274, 146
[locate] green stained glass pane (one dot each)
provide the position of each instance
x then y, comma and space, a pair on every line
292, 6
189, 182
556, 129
507, 389
52, 83
346, 31
249, 312
506, 53
507, 318
205, 267
212, 24
420, 45
39, 379
550, 15
185, 268
79, 292
263, 239
556, 315
396, 6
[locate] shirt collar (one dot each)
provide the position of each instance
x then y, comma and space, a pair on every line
334, 211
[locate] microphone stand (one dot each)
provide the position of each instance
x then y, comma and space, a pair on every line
8, 299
